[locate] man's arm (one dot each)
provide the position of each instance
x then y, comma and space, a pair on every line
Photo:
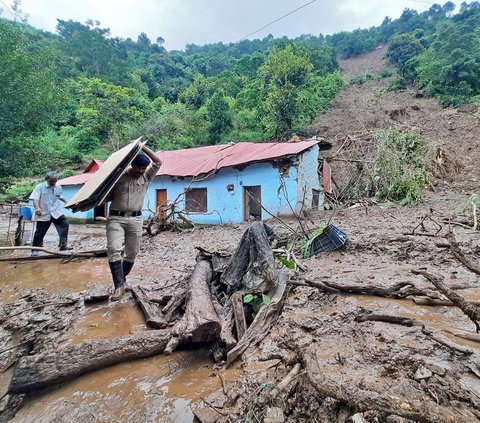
38, 210
153, 157
35, 196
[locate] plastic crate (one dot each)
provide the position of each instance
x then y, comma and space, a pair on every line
329, 240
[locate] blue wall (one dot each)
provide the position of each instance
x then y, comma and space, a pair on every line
281, 190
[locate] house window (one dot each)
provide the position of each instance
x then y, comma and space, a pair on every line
196, 200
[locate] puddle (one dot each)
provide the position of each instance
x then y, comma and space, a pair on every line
52, 275
439, 318
108, 320
150, 390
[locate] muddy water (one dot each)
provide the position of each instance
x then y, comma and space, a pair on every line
149, 390
441, 318
52, 275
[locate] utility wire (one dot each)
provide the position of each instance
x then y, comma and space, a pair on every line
276, 20
260, 29
15, 15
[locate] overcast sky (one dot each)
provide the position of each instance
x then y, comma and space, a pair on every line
180, 22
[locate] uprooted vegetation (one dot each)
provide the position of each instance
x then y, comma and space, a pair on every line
387, 164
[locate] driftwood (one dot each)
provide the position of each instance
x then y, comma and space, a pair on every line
200, 322
62, 254
474, 337
42, 370
262, 322
239, 314
437, 302
283, 384
399, 290
151, 312
455, 249
252, 266
472, 311
360, 399
405, 321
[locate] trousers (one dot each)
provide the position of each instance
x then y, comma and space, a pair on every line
123, 231
61, 225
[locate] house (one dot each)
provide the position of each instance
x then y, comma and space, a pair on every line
228, 183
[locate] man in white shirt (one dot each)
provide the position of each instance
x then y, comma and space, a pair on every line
48, 210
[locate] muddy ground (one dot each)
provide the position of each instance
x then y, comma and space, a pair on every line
348, 370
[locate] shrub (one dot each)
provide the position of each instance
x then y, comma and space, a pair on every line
399, 172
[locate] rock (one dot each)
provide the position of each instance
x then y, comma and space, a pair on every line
274, 415
422, 373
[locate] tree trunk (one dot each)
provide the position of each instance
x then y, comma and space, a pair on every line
41, 370
200, 323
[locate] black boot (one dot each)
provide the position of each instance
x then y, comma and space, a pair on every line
127, 267
118, 279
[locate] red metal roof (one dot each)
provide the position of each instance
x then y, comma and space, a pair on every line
81, 178
202, 160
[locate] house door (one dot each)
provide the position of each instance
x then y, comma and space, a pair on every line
252, 201
161, 205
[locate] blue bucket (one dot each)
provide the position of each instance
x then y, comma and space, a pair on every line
25, 212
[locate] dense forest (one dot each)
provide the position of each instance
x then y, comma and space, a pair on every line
80, 93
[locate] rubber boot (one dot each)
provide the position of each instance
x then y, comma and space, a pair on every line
118, 279
127, 267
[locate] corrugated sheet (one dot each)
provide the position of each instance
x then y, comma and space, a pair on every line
203, 160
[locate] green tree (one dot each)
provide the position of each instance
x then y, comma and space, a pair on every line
30, 97
219, 117
402, 48
285, 74
29, 87
106, 111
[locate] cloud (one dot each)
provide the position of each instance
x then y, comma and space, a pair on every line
208, 21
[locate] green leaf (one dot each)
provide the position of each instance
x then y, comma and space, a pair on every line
248, 298
287, 263
266, 299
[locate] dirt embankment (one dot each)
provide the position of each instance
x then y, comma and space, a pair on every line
353, 357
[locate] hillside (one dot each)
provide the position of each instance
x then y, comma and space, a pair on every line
351, 369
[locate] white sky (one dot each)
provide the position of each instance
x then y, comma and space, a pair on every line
207, 21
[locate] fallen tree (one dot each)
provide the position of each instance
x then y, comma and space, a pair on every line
45, 369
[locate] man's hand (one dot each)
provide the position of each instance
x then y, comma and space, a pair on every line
38, 211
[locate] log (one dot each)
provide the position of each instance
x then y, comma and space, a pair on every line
471, 310
399, 290
348, 392
283, 384
41, 370
252, 266
200, 323
405, 321
455, 249
92, 253
151, 311
436, 302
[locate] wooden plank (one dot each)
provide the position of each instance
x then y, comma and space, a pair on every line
239, 314
151, 311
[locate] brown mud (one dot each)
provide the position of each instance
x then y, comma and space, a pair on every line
349, 370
